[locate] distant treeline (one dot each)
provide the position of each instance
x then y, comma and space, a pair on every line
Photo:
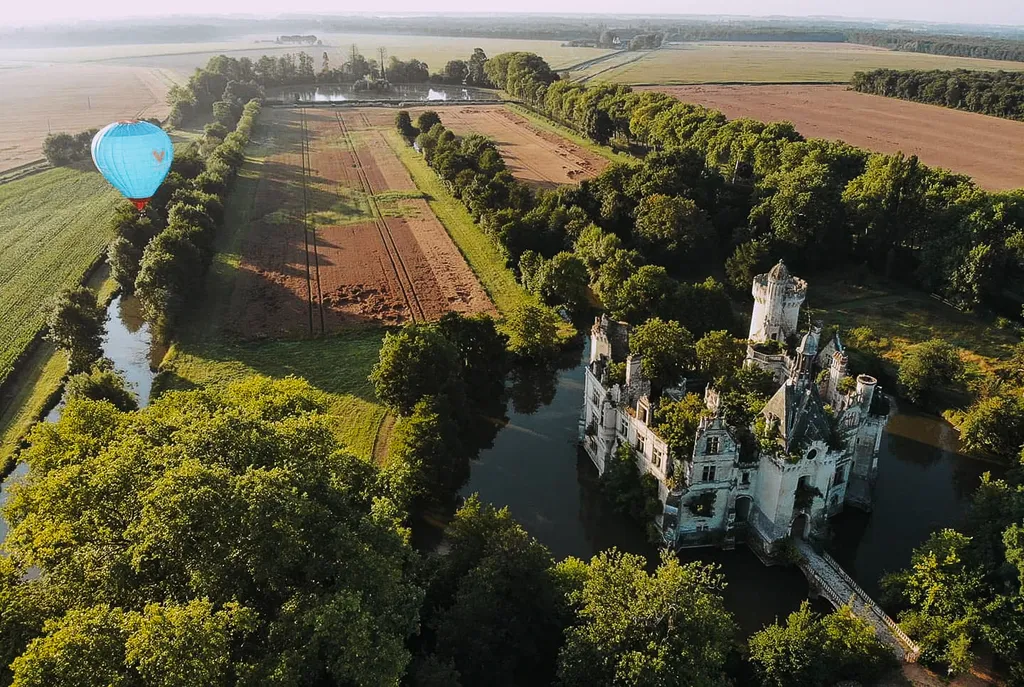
226, 80
937, 44
991, 43
1000, 94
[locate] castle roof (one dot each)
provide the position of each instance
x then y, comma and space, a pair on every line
800, 413
779, 272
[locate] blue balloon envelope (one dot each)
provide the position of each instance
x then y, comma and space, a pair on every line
134, 157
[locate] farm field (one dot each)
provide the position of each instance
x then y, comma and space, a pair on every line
736, 62
71, 97
183, 58
540, 158
989, 149
378, 254
53, 226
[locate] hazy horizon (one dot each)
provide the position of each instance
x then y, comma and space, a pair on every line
981, 12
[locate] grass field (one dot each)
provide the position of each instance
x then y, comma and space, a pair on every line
728, 62
53, 225
901, 317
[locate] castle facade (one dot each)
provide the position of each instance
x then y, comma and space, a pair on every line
812, 450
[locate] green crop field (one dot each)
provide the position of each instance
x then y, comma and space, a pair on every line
728, 62
53, 226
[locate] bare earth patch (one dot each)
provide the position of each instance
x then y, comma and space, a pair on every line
989, 149
378, 253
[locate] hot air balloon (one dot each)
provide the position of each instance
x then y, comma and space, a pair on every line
134, 157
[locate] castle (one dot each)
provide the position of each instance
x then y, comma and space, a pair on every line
811, 450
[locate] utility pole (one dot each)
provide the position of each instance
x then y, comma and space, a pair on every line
383, 55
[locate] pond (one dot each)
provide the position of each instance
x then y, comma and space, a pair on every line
397, 92
127, 343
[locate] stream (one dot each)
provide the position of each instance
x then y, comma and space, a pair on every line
128, 345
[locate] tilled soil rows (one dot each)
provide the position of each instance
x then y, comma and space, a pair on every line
341, 237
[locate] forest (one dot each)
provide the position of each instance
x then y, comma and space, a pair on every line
999, 94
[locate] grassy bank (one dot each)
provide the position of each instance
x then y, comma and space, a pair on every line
900, 317
482, 254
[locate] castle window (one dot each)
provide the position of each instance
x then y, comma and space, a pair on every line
596, 398
640, 443
657, 456
623, 426
746, 478
840, 475
812, 454
641, 412
708, 474
702, 527
712, 447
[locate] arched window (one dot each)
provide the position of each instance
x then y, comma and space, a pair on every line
812, 454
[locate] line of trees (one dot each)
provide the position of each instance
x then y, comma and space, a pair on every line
567, 242
1000, 94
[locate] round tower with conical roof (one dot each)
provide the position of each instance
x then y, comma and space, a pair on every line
778, 296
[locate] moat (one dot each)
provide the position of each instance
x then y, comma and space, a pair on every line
924, 483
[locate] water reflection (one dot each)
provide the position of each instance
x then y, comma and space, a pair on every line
924, 483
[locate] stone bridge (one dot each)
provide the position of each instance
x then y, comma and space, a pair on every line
839, 588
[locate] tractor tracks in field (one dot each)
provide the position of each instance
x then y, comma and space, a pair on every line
398, 266
314, 291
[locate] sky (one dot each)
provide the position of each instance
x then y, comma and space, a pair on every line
958, 11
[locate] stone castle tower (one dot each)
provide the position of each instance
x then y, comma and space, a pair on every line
777, 299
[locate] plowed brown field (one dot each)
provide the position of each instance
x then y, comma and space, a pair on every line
537, 157
989, 149
371, 251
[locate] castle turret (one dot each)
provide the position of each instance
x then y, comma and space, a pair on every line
866, 390
777, 299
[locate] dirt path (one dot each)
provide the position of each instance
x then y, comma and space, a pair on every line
989, 149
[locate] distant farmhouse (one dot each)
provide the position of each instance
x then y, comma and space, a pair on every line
812, 449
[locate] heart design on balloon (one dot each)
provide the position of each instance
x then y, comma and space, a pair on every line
159, 155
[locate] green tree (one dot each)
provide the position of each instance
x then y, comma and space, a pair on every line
719, 355
747, 261
492, 600
628, 491
562, 280
532, 331
427, 120
995, 425
677, 423
206, 499
75, 325
416, 361
667, 349
403, 122
102, 383
815, 651
636, 629
642, 295
670, 227
928, 366
424, 449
